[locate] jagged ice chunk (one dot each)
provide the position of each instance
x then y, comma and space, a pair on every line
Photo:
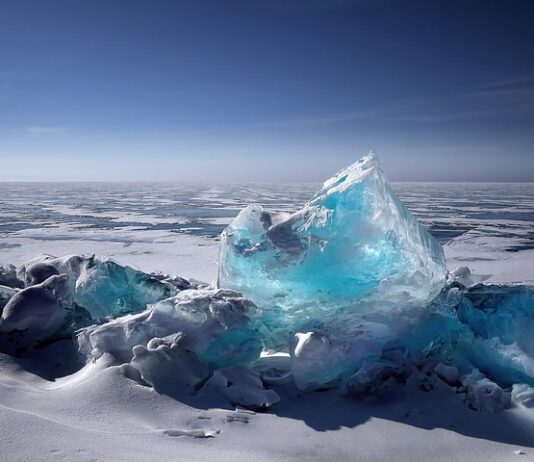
99, 285
353, 242
216, 325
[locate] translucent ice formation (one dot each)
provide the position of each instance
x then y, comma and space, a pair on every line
353, 242
496, 331
215, 325
320, 359
349, 291
101, 286
486, 327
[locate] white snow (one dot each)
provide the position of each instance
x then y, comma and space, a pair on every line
99, 414
149, 251
485, 255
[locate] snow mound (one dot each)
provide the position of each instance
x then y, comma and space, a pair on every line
34, 313
242, 387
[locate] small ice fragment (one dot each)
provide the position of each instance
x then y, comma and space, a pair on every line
242, 387
449, 374
166, 365
193, 433
523, 395
483, 394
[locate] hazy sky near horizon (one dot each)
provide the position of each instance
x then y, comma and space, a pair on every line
273, 90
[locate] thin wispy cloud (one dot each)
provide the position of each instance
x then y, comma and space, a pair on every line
46, 130
507, 83
321, 120
485, 100
488, 100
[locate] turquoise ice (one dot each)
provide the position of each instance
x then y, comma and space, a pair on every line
353, 244
349, 291
100, 286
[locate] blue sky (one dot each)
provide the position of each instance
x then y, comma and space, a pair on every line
265, 90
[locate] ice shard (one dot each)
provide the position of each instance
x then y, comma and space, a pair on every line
99, 285
500, 319
216, 325
242, 387
353, 243
166, 365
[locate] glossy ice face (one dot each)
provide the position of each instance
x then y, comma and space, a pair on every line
100, 286
353, 242
500, 319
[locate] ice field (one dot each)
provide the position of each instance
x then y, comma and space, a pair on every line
360, 329
175, 227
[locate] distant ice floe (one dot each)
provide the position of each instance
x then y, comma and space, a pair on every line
348, 292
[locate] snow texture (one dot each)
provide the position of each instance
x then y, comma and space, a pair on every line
211, 325
349, 293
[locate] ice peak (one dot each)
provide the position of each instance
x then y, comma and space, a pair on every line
366, 166
353, 241
368, 162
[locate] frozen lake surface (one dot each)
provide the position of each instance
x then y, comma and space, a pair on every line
174, 228
98, 413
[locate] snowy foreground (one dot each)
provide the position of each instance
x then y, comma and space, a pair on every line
334, 333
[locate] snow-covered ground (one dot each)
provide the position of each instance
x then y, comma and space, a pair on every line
174, 228
99, 414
